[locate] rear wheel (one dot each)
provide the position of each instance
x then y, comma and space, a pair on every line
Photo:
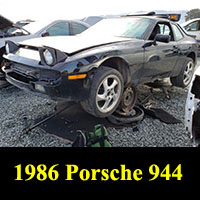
185, 76
105, 93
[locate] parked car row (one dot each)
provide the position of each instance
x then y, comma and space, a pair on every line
99, 65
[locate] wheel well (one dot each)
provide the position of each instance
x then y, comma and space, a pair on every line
120, 65
192, 55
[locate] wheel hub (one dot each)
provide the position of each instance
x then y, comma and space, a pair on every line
129, 98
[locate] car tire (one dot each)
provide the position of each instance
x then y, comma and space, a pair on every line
136, 115
105, 93
185, 76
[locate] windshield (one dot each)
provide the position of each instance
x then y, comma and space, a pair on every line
128, 27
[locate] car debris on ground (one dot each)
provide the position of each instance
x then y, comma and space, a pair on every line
16, 104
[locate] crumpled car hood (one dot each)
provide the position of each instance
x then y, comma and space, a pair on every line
5, 23
71, 44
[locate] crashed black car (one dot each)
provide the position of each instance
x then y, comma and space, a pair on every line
101, 67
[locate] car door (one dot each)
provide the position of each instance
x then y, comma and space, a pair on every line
160, 58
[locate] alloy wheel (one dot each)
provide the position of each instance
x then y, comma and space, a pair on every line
108, 93
188, 73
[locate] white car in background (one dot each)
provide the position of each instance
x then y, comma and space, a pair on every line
193, 28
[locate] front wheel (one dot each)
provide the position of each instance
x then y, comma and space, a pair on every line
185, 76
105, 93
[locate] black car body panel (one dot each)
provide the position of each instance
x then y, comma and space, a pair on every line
139, 61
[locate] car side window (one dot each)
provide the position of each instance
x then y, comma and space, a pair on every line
77, 28
161, 28
194, 26
61, 28
177, 33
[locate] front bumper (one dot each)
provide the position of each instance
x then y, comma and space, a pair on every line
46, 82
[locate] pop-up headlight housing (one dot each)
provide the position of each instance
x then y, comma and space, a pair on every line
11, 47
50, 56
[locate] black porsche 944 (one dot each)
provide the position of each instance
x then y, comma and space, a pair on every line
97, 66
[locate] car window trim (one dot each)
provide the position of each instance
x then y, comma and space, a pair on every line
179, 31
192, 23
58, 22
72, 33
162, 22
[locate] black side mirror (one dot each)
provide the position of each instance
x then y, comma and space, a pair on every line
162, 38
159, 38
45, 34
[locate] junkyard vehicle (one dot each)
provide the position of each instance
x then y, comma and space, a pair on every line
24, 30
193, 27
192, 109
100, 66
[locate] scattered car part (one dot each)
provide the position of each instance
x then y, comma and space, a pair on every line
153, 48
163, 84
192, 109
29, 127
129, 99
160, 114
119, 117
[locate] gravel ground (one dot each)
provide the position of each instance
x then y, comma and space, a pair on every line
16, 104
153, 132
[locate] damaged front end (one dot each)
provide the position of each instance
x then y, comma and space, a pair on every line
192, 109
37, 69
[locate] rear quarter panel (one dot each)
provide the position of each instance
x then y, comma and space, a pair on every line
187, 46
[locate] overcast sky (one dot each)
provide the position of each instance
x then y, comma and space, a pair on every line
74, 9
